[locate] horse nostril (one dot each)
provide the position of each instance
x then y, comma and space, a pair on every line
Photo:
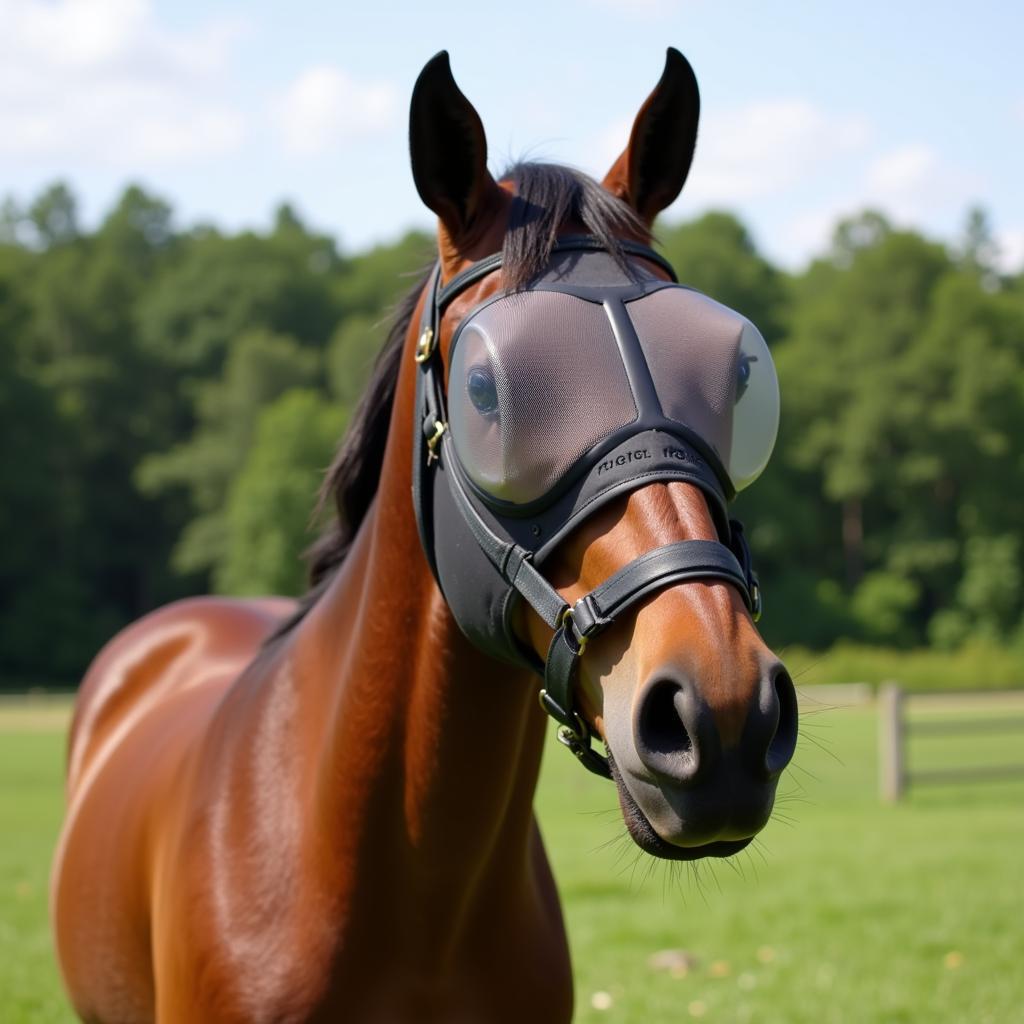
666, 732
660, 723
783, 742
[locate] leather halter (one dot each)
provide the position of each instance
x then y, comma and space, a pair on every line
574, 625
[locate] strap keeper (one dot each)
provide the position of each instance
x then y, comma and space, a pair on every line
587, 619
566, 719
575, 638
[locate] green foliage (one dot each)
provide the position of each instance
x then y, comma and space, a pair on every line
882, 604
976, 664
219, 287
270, 500
716, 255
54, 216
990, 591
350, 356
377, 280
260, 366
902, 377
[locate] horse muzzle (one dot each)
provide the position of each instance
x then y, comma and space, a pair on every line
691, 783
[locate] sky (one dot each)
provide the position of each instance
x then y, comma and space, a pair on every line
810, 111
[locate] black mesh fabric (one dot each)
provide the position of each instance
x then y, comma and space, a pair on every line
712, 372
559, 386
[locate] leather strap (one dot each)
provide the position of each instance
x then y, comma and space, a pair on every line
663, 567
569, 243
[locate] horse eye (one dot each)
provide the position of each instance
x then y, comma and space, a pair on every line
743, 374
483, 392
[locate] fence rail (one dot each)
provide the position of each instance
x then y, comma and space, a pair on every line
894, 726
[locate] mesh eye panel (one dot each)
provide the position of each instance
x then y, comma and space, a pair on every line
535, 381
698, 351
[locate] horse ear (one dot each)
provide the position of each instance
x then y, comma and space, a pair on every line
652, 169
448, 149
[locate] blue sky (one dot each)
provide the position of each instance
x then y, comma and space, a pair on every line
810, 110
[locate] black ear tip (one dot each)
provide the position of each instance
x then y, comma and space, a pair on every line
677, 66
438, 65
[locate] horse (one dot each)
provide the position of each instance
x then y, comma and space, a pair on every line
322, 809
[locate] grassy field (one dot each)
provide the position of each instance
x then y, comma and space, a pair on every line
847, 912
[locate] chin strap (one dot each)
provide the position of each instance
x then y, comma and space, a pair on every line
573, 626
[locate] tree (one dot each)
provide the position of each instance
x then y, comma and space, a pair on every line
54, 215
220, 287
716, 255
271, 500
978, 249
260, 367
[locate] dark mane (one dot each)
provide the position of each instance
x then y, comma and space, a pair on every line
546, 197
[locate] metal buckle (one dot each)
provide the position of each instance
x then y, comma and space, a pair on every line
756, 604
434, 440
425, 345
589, 758
579, 729
568, 622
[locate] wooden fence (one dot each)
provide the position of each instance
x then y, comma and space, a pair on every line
896, 724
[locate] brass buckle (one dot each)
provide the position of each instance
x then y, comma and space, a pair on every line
568, 622
425, 345
434, 440
579, 730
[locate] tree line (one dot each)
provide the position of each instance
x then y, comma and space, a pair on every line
170, 397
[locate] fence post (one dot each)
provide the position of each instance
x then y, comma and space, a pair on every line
892, 774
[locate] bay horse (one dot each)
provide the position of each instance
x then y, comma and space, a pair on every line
322, 810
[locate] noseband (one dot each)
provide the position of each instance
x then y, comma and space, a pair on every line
485, 528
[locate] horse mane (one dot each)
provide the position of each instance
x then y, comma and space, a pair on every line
546, 196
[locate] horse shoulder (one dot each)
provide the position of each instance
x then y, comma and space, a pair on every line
197, 641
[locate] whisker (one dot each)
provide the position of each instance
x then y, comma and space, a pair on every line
759, 847
823, 748
608, 812
806, 771
807, 668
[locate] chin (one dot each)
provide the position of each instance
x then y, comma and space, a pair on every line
683, 848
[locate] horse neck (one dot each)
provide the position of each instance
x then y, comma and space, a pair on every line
431, 751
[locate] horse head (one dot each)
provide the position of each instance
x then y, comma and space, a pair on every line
582, 424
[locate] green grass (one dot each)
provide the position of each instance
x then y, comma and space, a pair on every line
847, 912
31, 804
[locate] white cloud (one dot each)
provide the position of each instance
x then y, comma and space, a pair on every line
325, 106
103, 82
1011, 250
912, 183
907, 167
767, 147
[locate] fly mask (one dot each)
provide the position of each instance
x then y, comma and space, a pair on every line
598, 378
